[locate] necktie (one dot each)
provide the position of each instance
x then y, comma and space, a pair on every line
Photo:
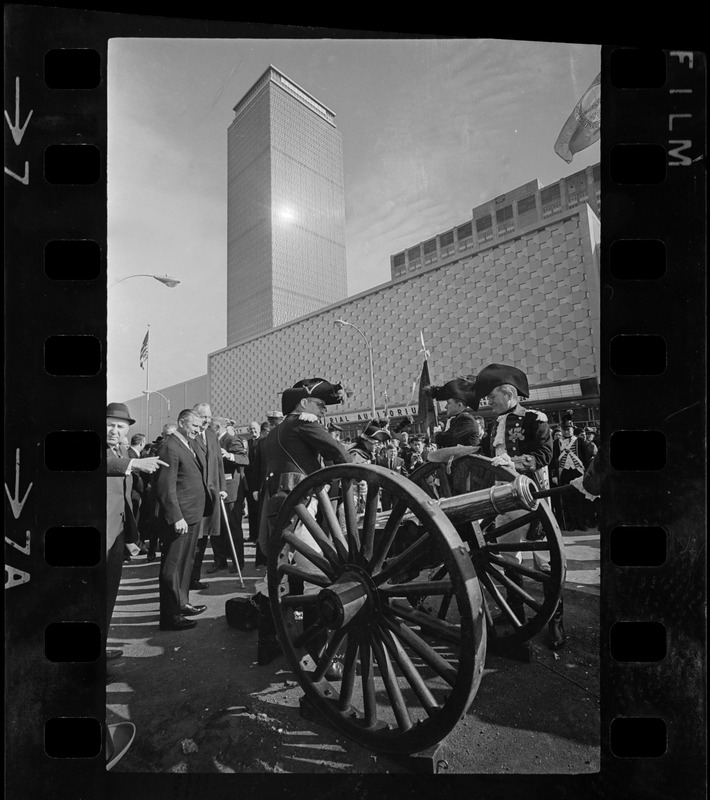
117, 450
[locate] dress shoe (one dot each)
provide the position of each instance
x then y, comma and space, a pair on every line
217, 567
112, 654
177, 623
198, 585
192, 611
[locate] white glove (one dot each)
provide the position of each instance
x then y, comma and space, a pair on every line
503, 460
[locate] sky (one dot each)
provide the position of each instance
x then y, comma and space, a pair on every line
431, 128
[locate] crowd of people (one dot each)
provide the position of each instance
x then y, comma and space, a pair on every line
194, 485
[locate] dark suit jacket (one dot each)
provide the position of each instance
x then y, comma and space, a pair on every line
180, 487
233, 470
210, 456
398, 464
251, 473
463, 430
119, 511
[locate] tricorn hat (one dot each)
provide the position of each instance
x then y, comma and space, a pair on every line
496, 375
455, 389
333, 427
119, 411
374, 433
329, 393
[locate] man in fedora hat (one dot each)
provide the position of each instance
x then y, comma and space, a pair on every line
519, 438
297, 447
460, 428
121, 526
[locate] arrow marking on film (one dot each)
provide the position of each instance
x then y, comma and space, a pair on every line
17, 131
14, 503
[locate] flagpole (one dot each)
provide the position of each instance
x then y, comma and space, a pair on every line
426, 358
147, 384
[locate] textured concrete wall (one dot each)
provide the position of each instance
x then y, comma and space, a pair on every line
532, 301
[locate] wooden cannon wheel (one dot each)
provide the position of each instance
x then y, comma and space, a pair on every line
339, 583
542, 570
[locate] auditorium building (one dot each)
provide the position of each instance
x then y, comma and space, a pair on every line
517, 283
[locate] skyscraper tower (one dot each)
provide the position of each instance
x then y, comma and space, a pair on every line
285, 208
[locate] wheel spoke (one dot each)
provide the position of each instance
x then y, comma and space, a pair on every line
331, 520
444, 607
348, 489
391, 686
435, 627
498, 597
501, 577
533, 574
507, 527
417, 589
299, 600
317, 533
444, 482
439, 664
325, 660
308, 552
410, 672
369, 521
347, 685
399, 509
368, 682
403, 560
304, 575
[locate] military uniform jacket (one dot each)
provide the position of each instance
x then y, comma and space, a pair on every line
299, 445
462, 430
526, 433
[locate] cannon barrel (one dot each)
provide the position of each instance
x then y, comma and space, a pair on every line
518, 495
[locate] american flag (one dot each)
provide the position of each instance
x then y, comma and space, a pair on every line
144, 350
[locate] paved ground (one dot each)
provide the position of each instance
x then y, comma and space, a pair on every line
200, 703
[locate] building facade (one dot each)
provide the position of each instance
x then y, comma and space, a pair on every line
163, 405
530, 299
285, 208
514, 212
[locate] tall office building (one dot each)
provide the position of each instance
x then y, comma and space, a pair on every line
285, 208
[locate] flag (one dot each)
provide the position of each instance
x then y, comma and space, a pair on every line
582, 128
426, 413
144, 350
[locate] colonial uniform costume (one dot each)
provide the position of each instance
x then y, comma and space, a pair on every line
519, 438
297, 447
460, 428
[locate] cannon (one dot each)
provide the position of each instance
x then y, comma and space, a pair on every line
405, 599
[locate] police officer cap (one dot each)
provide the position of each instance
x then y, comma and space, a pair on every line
496, 375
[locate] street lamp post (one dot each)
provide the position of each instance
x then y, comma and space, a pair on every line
164, 279
340, 323
147, 401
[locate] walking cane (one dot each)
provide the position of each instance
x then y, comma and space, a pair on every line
231, 541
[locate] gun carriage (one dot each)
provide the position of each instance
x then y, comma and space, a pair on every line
405, 598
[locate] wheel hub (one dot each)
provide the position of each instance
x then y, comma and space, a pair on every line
352, 595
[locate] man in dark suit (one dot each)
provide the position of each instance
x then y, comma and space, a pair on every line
209, 453
121, 526
184, 501
234, 460
251, 482
389, 458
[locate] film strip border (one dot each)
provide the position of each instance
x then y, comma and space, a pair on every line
652, 271
652, 277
